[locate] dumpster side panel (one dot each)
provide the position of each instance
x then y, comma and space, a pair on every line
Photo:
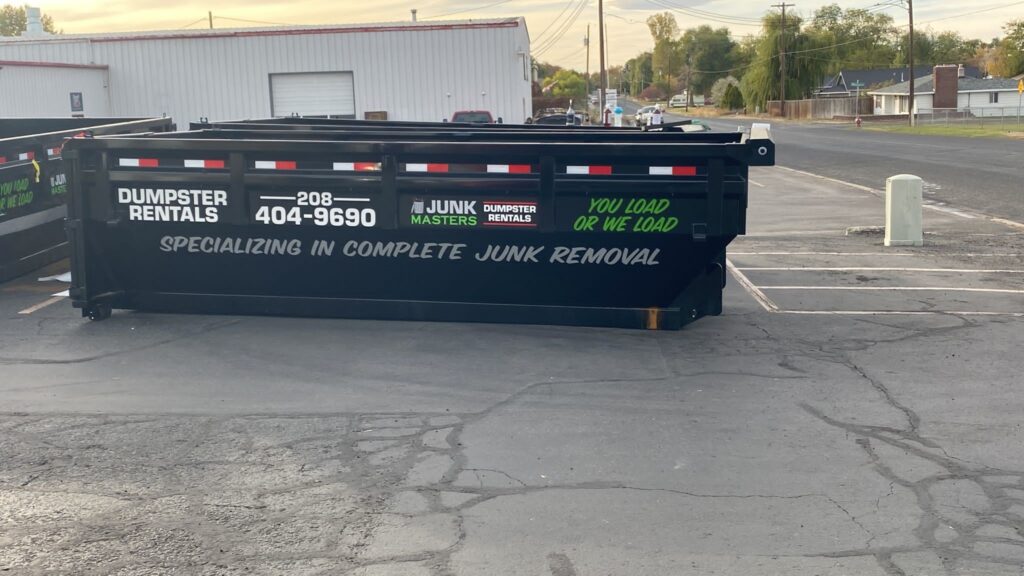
406, 231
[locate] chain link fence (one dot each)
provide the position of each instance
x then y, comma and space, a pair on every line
992, 117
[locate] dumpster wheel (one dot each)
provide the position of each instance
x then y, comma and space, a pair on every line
100, 311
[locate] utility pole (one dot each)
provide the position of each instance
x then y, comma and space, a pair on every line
210, 16
586, 42
600, 48
910, 9
782, 57
607, 51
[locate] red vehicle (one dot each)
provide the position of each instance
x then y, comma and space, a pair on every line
473, 117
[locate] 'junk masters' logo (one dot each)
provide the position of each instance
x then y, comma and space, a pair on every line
443, 212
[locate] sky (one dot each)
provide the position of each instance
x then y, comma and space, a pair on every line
556, 36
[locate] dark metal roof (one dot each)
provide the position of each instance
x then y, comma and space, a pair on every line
879, 77
926, 85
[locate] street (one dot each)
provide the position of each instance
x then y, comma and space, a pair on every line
983, 174
855, 411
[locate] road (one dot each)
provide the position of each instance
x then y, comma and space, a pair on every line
983, 174
842, 417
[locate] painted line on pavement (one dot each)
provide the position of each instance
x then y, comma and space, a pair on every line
41, 305
971, 214
751, 289
898, 288
899, 313
875, 269
894, 254
758, 184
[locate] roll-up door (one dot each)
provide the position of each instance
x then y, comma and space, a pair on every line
313, 94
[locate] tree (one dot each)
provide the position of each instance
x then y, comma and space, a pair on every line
805, 66
570, 84
1008, 57
732, 99
663, 26
858, 39
638, 72
13, 21
709, 51
721, 85
951, 48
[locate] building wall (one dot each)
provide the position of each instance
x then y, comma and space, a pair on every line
45, 91
976, 100
413, 73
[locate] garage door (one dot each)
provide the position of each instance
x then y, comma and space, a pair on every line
312, 94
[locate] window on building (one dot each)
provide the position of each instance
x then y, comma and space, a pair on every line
993, 97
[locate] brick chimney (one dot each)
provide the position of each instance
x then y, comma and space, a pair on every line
945, 80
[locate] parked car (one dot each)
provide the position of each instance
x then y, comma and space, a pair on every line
473, 117
643, 114
558, 119
677, 101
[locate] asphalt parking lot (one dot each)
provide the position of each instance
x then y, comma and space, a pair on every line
857, 410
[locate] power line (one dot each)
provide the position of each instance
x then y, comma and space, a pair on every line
463, 11
722, 19
552, 23
252, 21
561, 30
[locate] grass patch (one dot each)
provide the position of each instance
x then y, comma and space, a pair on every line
963, 131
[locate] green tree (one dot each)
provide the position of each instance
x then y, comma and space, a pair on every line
805, 66
667, 59
709, 51
732, 99
570, 84
859, 39
951, 48
638, 72
1008, 56
13, 21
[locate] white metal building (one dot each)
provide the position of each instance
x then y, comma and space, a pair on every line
410, 70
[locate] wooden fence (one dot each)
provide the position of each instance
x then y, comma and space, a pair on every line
822, 108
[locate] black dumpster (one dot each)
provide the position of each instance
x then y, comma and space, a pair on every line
33, 185
429, 222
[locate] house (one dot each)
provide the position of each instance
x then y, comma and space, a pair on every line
947, 88
845, 83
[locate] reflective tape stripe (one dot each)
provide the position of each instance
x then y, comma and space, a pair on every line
509, 168
204, 164
357, 166
590, 170
138, 162
27, 156
275, 165
53, 151
673, 170
426, 167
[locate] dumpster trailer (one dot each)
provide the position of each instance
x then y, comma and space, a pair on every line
33, 185
423, 222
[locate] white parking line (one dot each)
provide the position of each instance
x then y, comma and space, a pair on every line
758, 184
751, 289
870, 269
897, 288
893, 254
42, 304
927, 204
899, 313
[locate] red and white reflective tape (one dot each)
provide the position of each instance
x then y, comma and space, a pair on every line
673, 171
275, 164
51, 152
357, 166
426, 168
591, 170
509, 168
204, 164
138, 162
